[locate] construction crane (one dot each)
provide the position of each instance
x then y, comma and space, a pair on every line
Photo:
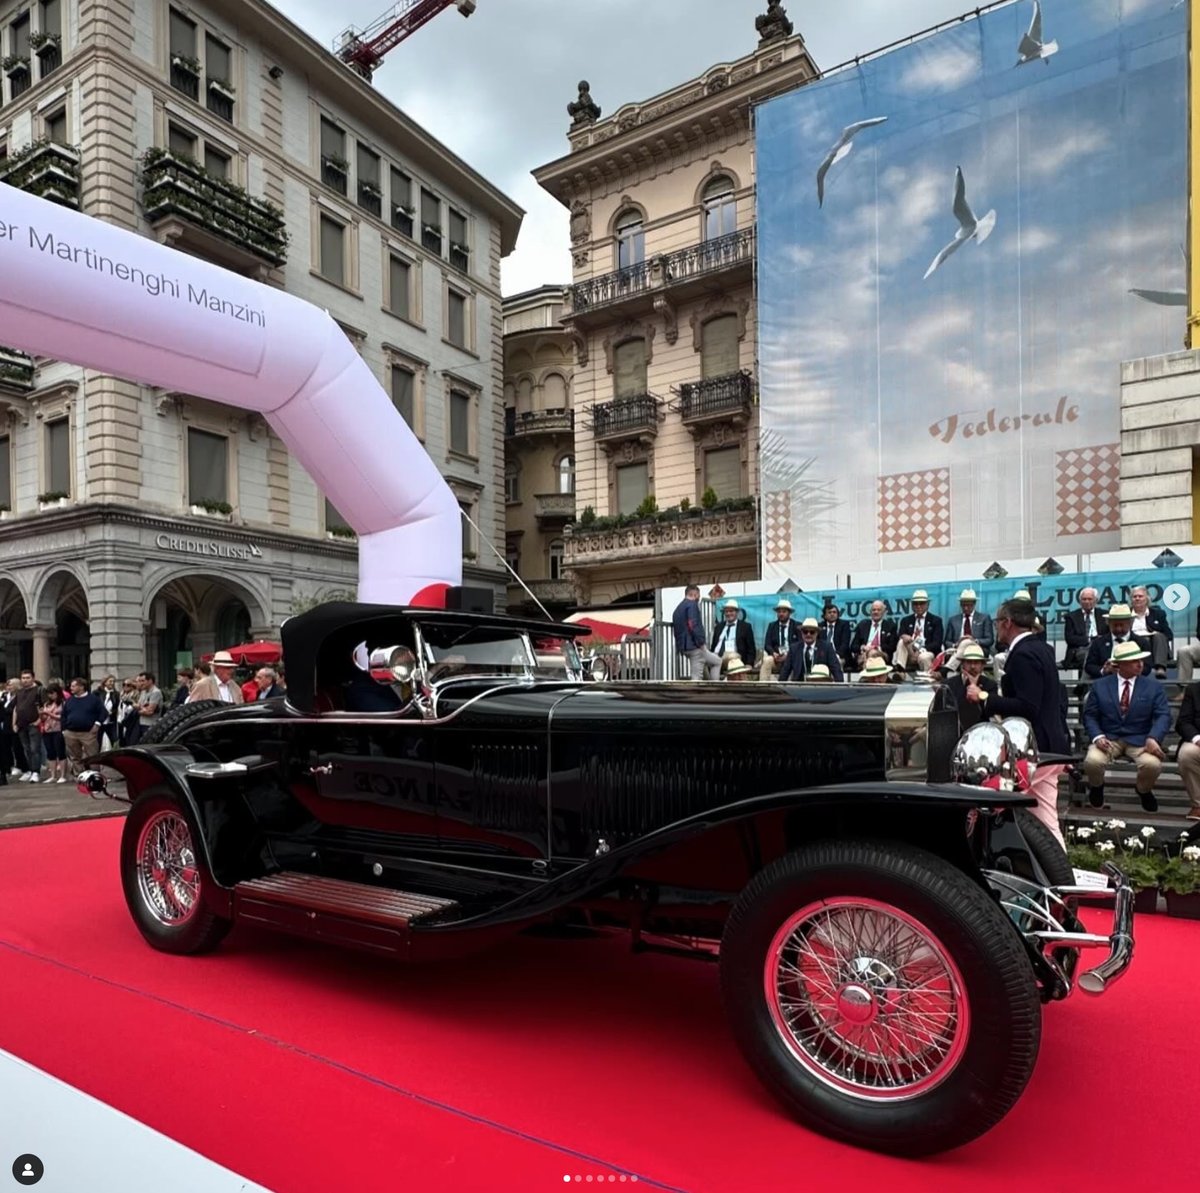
363, 50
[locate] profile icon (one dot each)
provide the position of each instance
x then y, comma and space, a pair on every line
28, 1169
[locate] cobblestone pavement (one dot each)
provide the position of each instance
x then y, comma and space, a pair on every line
47, 803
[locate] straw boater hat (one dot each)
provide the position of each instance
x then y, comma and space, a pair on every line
731, 604
875, 667
967, 594
972, 651
735, 664
1126, 652
809, 623
1022, 594
1120, 613
921, 595
819, 671
223, 659
783, 603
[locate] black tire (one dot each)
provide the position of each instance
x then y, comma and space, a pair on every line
992, 1046
194, 930
174, 719
1050, 855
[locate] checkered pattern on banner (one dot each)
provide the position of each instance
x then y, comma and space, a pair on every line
1087, 489
777, 532
914, 510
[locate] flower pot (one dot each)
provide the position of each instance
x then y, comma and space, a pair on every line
1184, 907
57, 503
1145, 901
200, 512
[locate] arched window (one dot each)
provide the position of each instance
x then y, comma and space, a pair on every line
566, 474
631, 239
555, 552
720, 208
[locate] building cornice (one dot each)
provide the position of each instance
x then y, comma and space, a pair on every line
675, 121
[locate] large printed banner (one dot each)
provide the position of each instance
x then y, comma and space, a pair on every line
959, 243
1176, 592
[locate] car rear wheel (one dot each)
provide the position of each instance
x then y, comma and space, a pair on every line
165, 879
881, 995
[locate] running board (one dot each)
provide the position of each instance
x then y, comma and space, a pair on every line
351, 913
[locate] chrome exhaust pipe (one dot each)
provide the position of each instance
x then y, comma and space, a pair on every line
1097, 980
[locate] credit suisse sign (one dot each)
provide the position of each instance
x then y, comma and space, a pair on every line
209, 548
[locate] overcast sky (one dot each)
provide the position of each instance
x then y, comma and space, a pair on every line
494, 88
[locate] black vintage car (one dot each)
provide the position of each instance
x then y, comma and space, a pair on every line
886, 914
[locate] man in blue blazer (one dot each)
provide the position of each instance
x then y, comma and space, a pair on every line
1031, 689
970, 623
808, 652
1126, 715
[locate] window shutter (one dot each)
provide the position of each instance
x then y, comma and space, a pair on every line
208, 467
6, 472
332, 261
723, 471
719, 346
629, 368
633, 487
402, 392
399, 287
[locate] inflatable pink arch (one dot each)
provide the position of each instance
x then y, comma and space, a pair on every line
77, 289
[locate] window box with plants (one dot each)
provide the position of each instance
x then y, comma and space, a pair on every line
222, 88
44, 43
5, 513
46, 169
403, 211
186, 65
53, 499
212, 509
176, 185
15, 65
341, 532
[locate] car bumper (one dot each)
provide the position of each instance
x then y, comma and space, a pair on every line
1054, 935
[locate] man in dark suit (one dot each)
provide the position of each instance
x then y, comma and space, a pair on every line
920, 635
782, 634
1126, 714
1081, 628
970, 712
1188, 728
970, 623
1150, 623
266, 679
808, 652
877, 632
1099, 655
837, 633
1030, 689
733, 635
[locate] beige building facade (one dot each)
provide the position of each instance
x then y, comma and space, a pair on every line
539, 444
138, 526
661, 314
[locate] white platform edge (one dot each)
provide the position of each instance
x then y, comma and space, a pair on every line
87, 1145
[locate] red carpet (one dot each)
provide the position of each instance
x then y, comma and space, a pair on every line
310, 1069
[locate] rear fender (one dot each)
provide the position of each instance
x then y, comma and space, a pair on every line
147, 767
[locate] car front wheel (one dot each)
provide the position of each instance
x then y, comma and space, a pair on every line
164, 877
881, 995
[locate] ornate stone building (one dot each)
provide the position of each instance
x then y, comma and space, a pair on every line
661, 316
137, 526
539, 448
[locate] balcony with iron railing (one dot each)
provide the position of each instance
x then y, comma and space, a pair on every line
16, 371
680, 274
48, 51
175, 188
554, 509
46, 169
335, 171
185, 76
635, 417
728, 398
538, 422
220, 98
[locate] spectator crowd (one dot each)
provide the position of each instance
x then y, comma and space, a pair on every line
48, 731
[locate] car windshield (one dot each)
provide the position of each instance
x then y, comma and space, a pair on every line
452, 650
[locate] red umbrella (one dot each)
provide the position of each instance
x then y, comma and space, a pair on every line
253, 654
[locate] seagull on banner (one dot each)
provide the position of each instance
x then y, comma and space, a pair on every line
1032, 46
841, 147
1166, 298
969, 228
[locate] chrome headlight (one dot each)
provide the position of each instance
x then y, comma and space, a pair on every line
984, 757
1024, 742
393, 664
